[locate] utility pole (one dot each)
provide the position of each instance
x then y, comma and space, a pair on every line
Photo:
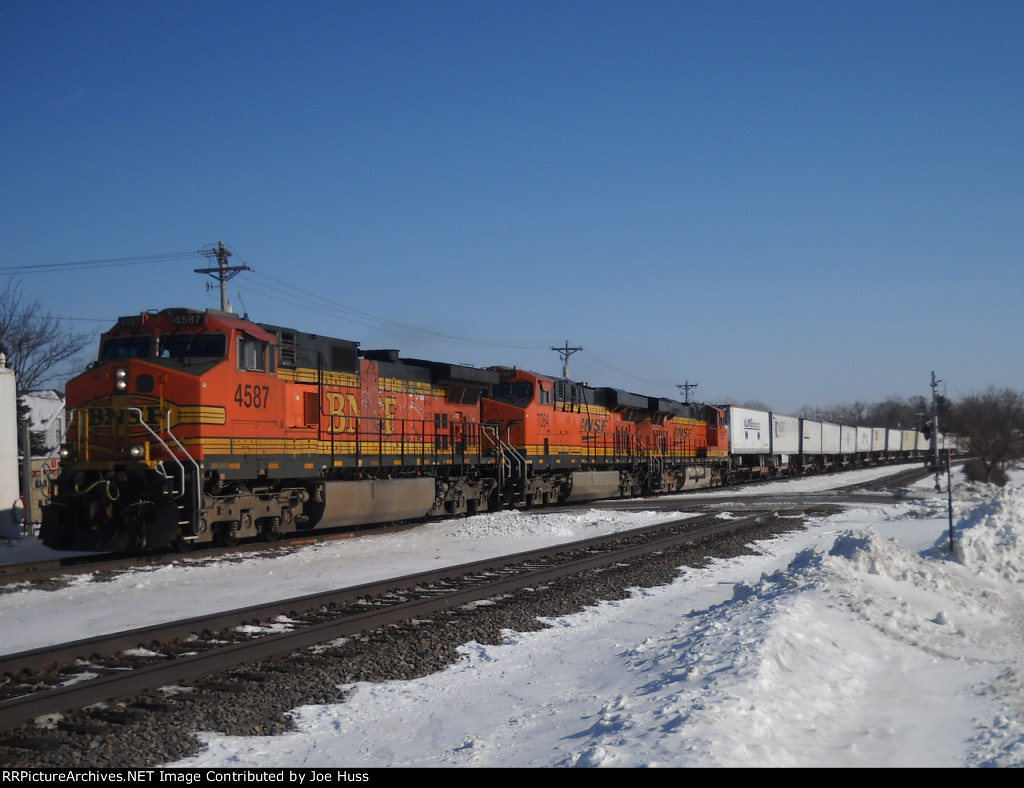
565, 352
935, 429
223, 271
685, 388
27, 523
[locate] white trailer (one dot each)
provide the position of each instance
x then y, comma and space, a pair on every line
749, 431
831, 442
810, 438
847, 440
863, 440
785, 434
750, 441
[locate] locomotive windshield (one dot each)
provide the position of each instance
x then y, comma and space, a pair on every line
193, 346
126, 347
519, 394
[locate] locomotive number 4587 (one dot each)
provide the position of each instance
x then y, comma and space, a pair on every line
250, 396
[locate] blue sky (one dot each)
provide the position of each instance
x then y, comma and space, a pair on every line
800, 203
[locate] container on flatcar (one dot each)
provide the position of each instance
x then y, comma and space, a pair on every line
750, 442
831, 440
785, 440
863, 441
749, 431
847, 440
785, 436
878, 436
810, 438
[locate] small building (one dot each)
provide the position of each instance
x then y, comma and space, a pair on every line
45, 411
46, 418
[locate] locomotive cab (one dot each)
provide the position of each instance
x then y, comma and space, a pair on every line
131, 467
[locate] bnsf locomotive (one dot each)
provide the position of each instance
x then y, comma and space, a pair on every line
202, 426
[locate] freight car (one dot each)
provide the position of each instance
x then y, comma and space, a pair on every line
201, 426
764, 444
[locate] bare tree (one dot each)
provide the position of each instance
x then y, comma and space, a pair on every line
993, 423
39, 345
838, 414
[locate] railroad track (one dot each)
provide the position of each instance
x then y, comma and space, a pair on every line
131, 664
56, 569
60, 568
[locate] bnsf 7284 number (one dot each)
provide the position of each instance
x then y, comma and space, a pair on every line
250, 396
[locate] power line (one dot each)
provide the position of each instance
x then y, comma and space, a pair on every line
33, 316
42, 268
281, 291
359, 317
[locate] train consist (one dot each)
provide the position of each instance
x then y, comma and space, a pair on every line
201, 426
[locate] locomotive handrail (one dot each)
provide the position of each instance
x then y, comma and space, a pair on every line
197, 497
191, 459
173, 456
655, 464
503, 449
142, 421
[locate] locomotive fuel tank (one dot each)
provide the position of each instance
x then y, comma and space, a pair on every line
346, 503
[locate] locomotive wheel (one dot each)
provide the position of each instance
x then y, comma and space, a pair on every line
225, 535
270, 528
183, 545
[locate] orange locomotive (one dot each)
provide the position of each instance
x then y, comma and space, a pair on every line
202, 426
195, 427
571, 442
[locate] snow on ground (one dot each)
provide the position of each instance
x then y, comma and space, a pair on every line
861, 641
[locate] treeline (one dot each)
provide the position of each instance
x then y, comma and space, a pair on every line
991, 421
893, 413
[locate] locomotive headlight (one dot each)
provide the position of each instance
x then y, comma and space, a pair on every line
137, 451
121, 378
66, 453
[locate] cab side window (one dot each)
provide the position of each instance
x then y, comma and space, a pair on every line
252, 355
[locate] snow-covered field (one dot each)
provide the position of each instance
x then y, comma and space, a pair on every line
859, 642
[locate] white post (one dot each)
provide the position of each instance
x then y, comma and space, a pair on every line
11, 511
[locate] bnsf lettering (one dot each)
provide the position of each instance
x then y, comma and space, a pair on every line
590, 424
390, 407
250, 396
105, 417
343, 410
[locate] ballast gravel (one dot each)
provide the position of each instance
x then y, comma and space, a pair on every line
255, 700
